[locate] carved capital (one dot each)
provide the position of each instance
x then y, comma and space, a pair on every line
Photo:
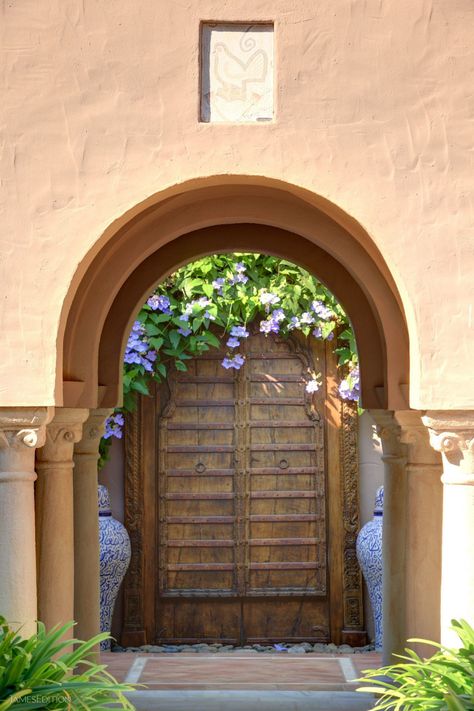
23, 427
390, 435
420, 455
452, 434
92, 432
61, 434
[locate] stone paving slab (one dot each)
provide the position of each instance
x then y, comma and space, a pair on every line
250, 701
241, 671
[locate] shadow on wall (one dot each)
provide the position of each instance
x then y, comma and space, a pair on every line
370, 478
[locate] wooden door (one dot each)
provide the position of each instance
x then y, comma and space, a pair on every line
242, 529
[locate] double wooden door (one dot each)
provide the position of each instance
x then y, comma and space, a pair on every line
244, 526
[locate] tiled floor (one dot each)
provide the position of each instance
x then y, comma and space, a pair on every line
236, 671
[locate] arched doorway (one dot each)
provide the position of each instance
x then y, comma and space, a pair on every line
193, 221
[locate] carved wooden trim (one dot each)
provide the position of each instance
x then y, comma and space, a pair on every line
352, 578
134, 616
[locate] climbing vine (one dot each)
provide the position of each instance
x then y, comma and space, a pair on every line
212, 301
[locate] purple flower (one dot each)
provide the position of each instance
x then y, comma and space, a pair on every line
280, 647
312, 387
266, 298
278, 315
307, 318
211, 317
322, 310
184, 331
317, 333
240, 267
330, 336
239, 278
294, 323
113, 426
146, 364
217, 284
202, 302
131, 357
236, 362
349, 388
233, 342
269, 326
184, 317
160, 303
138, 327
239, 332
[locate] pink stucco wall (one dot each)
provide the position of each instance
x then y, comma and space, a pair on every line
374, 106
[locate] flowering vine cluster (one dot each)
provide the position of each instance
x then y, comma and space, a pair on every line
212, 302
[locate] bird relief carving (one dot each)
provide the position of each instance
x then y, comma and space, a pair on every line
237, 82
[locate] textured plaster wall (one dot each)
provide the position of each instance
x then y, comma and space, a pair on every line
373, 111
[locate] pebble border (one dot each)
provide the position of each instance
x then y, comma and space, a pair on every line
283, 648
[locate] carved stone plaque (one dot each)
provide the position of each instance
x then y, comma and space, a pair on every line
236, 72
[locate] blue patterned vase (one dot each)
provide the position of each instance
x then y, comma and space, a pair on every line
369, 555
114, 560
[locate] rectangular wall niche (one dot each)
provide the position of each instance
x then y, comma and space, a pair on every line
236, 72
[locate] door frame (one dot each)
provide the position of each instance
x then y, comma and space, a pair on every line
345, 580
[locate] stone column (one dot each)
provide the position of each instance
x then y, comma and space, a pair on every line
21, 431
86, 527
55, 517
452, 434
424, 514
394, 533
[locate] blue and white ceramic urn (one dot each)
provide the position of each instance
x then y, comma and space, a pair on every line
114, 560
369, 555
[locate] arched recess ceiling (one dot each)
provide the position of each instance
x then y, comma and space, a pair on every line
230, 218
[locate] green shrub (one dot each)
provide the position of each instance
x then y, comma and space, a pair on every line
445, 681
38, 673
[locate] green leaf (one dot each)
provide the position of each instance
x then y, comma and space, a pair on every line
157, 343
161, 368
160, 318
152, 329
180, 365
140, 387
175, 338
212, 339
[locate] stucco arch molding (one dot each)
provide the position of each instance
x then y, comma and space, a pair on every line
105, 297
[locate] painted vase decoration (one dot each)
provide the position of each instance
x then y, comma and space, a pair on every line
369, 555
115, 554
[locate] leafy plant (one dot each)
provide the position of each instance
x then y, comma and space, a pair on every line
211, 302
38, 673
445, 681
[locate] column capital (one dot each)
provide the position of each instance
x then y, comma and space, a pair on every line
452, 433
23, 427
64, 430
92, 432
420, 454
390, 435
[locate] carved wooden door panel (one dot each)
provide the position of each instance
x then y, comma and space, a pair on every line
242, 506
241, 502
